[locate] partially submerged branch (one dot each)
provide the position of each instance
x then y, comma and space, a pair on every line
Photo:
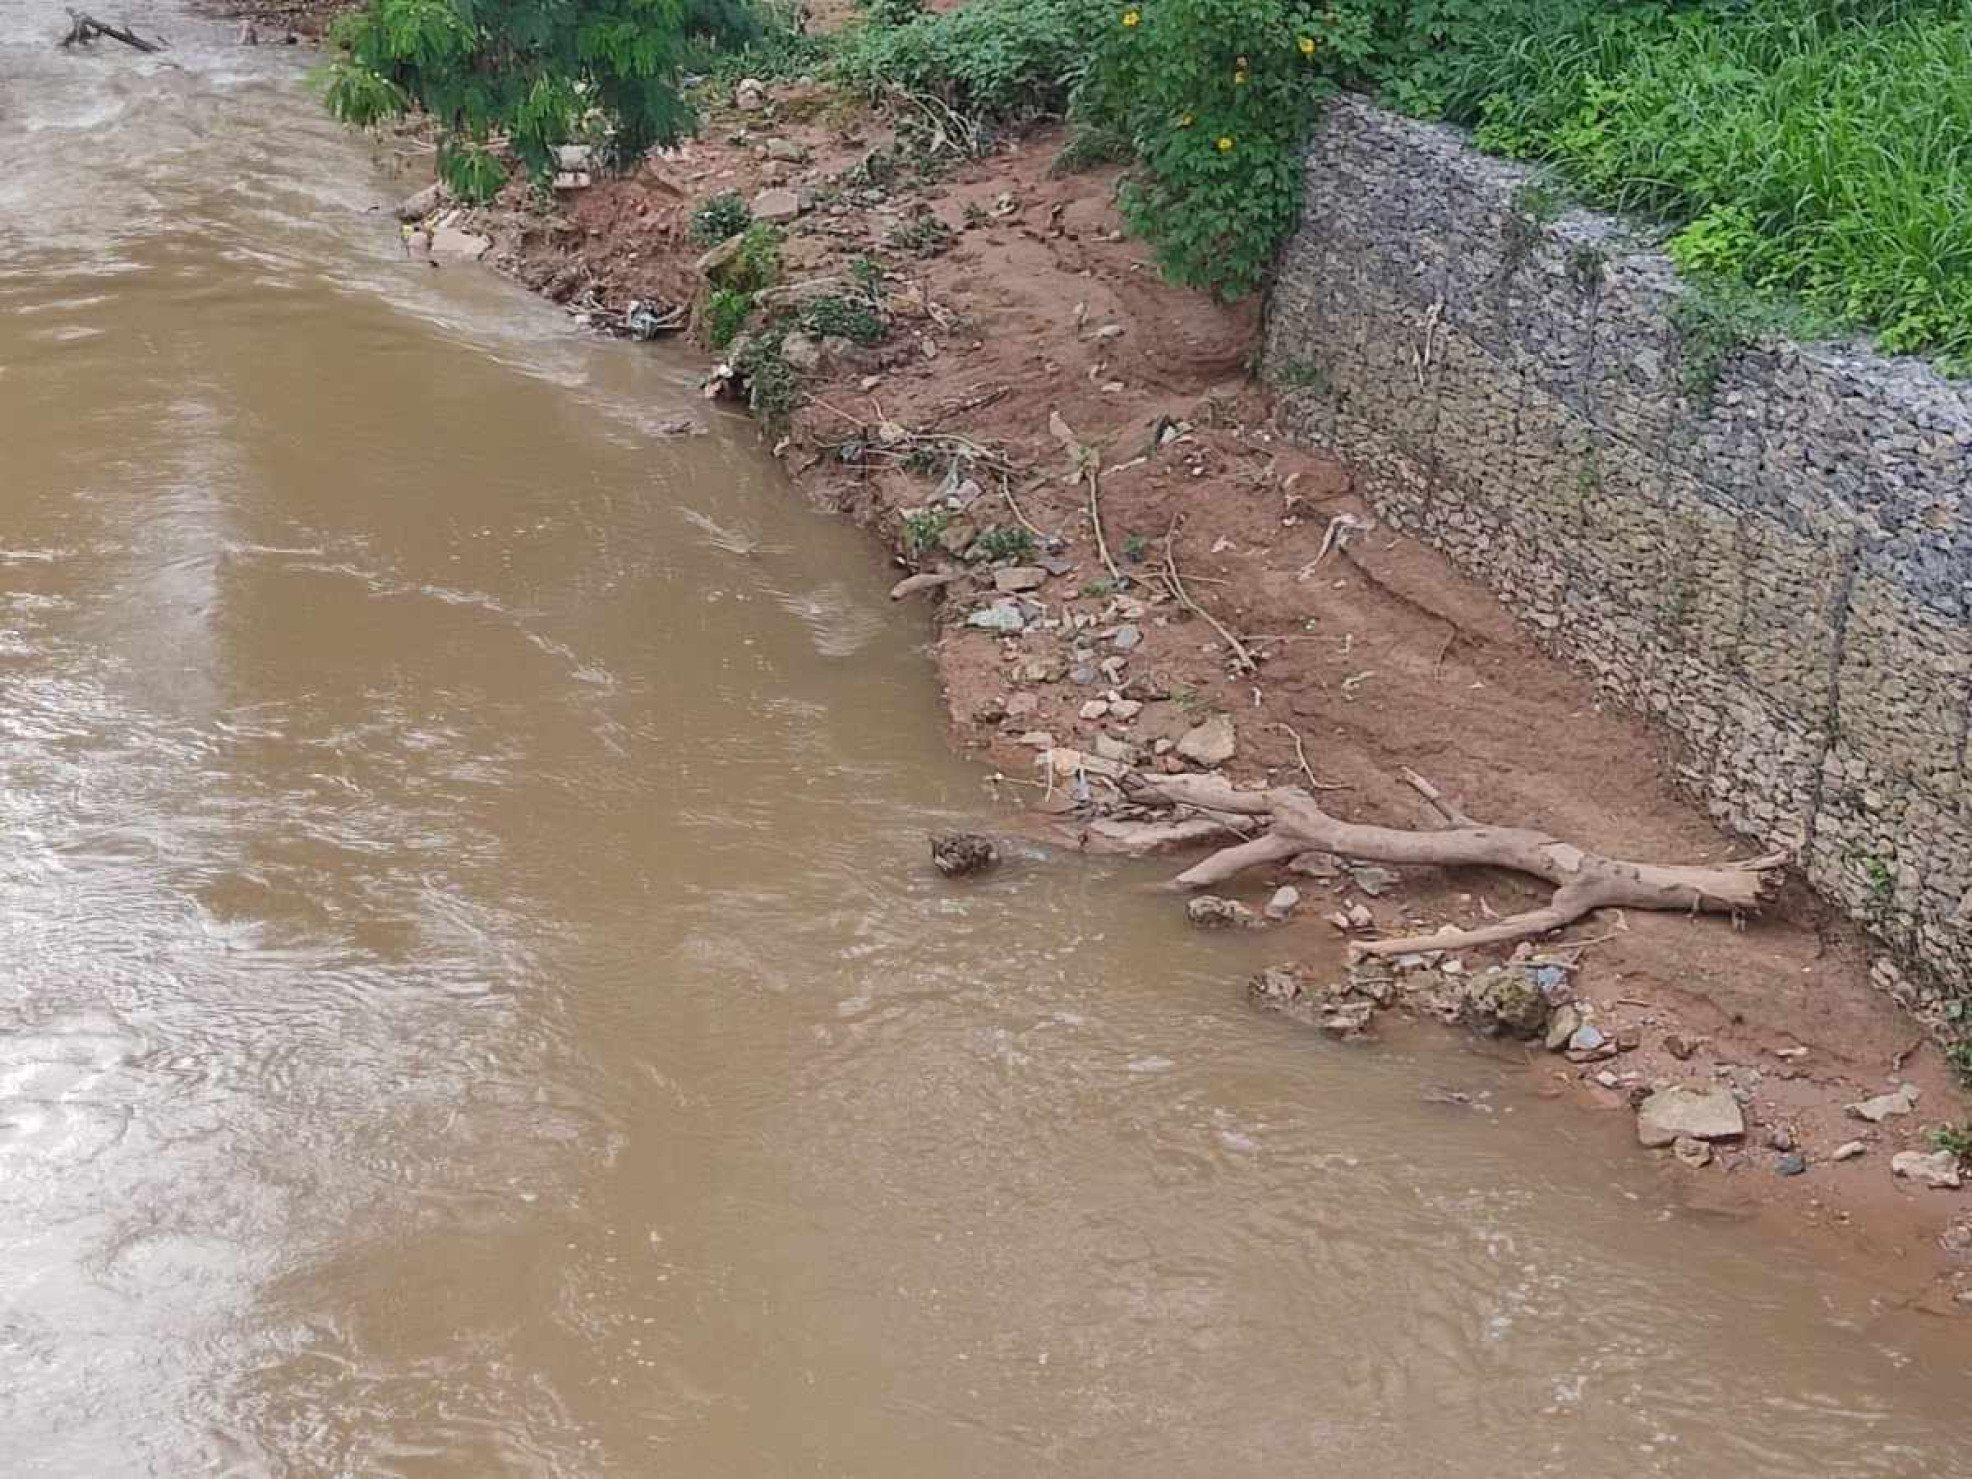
1583, 881
85, 28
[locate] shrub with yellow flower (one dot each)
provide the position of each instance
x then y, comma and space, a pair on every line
1307, 45
1225, 143
1132, 18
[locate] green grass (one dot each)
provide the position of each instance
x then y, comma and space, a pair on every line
1820, 149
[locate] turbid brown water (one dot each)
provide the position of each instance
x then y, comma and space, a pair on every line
475, 1001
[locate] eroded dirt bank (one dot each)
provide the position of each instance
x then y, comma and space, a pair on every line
1023, 326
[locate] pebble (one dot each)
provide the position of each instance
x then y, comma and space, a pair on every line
1587, 1038
1082, 677
1210, 912
1780, 1137
1847, 1151
1791, 1164
1019, 578
1095, 708
1126, 637
1562, 1026
1283, 902
1692, 1152
1211, 743
1125, 708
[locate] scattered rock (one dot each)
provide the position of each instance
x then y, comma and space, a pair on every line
1001, 616
1359, 917
450, 242
750, 95
1562, 1026
1125, 708
1701, 1111
777, 206
786, 151
1847, 1151
1095, 708
1126, 638
1371, 879
1347, 1019
1938, 1168
416, 207
1628, 1039
1503, 1000
1019, 578
1121, 751
956, 854
1883, 1106
1780, 1137
1693, 1153
573, 157
1588, 1038
1210, 912
803, 353
1793, 1163
1211, 743
1283, 902
1678, 1047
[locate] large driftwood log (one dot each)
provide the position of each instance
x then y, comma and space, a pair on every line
1583, 881
86, 28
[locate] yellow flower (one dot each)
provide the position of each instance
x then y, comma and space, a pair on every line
1225, 143
1184, 120
1131, 17
1307, 45
1239, 78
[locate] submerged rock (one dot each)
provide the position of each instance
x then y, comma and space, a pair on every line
1210, 912
1700, 1111
956, 854
1504, 1000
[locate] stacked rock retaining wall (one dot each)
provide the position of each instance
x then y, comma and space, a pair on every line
1766, 547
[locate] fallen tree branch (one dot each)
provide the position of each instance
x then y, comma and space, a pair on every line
1243, 660
1583, 881
85, 28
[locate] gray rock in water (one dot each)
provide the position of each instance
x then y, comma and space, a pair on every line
1701, 1111
423, 203
1211, 743
1210, 912
1939, 1168
1347, 1018
1883, 1106
1283, 902
956, 854
460, 246
1562, 1026
1503, 1000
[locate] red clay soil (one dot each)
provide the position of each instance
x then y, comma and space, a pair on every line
1377, 654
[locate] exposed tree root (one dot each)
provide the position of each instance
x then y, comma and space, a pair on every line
86, 28
1583, 881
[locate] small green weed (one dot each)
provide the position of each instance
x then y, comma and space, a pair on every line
921, 531
1303, 374
923, 234
718, 218
1003, 543
830, 315
1882, 882
1135, 547
1959, 1055
1586, 262
726, 311
773, 390
1955, 1138
757, 266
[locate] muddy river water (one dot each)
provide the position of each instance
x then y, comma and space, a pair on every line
473, 1000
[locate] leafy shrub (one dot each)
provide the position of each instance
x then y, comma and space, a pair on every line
757, 266
726, 311
1003, 543
1092, 146
831, 315
1002, 61
921, 531
718, 218
922, 234
773, 390
770, 45
1217, 97
538, 73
